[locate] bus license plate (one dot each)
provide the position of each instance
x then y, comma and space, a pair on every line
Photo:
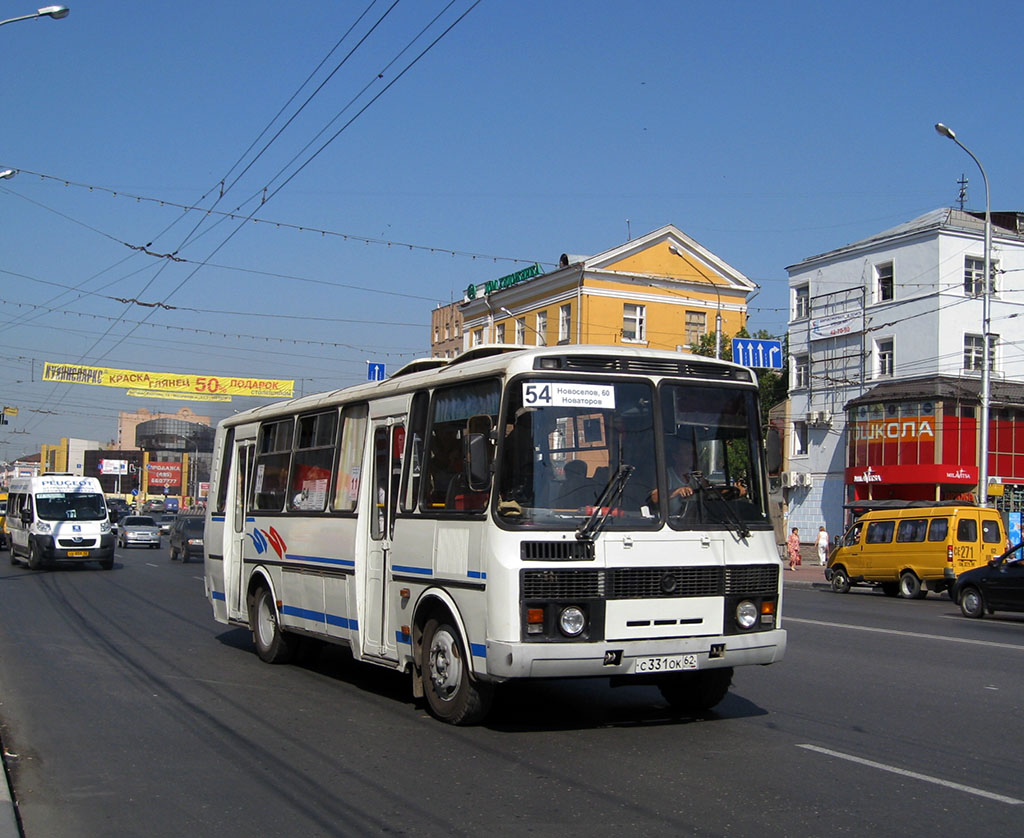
665, 663
77, 554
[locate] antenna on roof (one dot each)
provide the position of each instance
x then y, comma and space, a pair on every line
629, 234
962, 197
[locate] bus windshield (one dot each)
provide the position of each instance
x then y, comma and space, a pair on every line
564, 443
70, 506
697, 467
712, 464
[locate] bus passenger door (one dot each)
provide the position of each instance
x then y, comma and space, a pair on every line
234, 562
388, 448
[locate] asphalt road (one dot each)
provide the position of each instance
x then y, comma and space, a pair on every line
127, 711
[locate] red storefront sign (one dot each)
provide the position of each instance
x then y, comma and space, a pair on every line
889, 475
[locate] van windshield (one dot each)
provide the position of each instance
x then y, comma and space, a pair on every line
71, 506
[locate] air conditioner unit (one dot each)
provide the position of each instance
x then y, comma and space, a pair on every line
787, 478
812, 417
807, 480
826, 417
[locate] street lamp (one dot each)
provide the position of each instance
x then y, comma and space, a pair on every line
7, 174
718, 317
986, 307
193, 465
56, 12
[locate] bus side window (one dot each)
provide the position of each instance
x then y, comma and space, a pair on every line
350, 457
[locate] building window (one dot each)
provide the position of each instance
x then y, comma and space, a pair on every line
564, 320
447, 331
437, 334
478, 337
974, 346
542, 328
501, 333
883, 282
799, 439
458, 328
520, 331
884, 354
802, 302
974, 272
634, 326
696, 326
801, 371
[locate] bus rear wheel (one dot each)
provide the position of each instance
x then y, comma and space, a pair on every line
911, 587
696, 692
272, 644
452, 695
35, 561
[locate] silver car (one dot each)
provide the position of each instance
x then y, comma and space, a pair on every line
138, 530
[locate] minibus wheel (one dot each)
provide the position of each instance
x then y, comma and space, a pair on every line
34, 560
910, 586
840, 580
272, 644
452, 695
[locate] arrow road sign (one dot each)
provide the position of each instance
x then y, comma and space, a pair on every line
376, 372
751, 352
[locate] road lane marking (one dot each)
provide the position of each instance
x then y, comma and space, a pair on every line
881, 766
988, 643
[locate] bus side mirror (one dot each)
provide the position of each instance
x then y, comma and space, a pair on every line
773, 451
478, 466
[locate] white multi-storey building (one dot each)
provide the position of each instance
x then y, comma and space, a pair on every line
886, 347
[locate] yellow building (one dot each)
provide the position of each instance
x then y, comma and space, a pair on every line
662, 290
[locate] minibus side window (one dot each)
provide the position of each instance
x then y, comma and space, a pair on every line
880, 532
967, 530
912, 530
938, 529
990, 532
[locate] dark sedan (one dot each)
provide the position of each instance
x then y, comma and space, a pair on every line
998, 586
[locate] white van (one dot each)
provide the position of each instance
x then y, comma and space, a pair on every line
59, 517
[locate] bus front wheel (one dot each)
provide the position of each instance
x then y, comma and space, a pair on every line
35, 561
696, 692
452, 695
272, 644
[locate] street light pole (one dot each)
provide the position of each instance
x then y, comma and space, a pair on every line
56, 12
986, 310
718, 317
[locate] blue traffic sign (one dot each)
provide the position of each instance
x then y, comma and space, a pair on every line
376, 372
752, 352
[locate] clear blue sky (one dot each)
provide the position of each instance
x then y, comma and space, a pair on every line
767, 131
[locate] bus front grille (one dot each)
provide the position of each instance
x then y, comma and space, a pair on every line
563, 584
651, 582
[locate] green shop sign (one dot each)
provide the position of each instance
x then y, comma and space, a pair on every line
504, 282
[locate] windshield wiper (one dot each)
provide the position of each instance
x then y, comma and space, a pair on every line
609, 496
729, 517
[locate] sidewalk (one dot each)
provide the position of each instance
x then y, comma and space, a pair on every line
8, 819
809, 574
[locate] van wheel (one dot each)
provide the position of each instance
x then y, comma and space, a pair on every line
972, 604
890, 588
453, 696
272, 644
840, 580
910, 586
34, 560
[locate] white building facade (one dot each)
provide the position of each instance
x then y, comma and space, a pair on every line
875, 328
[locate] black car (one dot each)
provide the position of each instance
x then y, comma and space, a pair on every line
998, 586
186, 537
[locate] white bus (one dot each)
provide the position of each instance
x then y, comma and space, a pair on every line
507, 514
58, 517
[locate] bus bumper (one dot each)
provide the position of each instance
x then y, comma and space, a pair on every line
587, 660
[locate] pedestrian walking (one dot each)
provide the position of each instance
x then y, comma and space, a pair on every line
822, 545
793, 545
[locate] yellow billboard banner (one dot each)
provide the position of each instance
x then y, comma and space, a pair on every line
198, 387
181, 397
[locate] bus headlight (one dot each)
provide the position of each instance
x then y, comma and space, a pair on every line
746, 614
572, 620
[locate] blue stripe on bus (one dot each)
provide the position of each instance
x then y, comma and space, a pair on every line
304, 613
476, 574
478, 650
342, 622
321, 559
402, 637
424, 571
218, 519
217, 595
